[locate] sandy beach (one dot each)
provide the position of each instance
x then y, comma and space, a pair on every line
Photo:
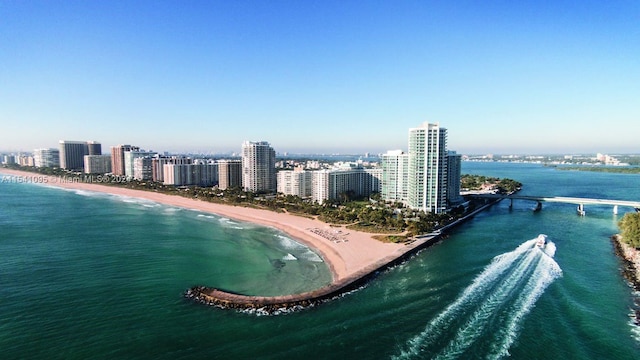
345, 251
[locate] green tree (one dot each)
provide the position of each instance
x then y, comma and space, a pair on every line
630, 229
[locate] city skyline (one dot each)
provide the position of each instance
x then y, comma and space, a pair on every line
325, 78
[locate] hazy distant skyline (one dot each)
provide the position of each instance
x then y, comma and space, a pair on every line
321, 77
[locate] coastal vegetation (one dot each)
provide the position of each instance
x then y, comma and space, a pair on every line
479, 182
630, 229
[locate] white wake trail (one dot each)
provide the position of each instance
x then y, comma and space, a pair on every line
501, 295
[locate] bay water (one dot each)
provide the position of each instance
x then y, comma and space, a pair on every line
87, 275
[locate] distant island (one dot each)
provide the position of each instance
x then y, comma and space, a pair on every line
607, 169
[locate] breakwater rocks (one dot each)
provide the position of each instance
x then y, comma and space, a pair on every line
273, 305
630, 269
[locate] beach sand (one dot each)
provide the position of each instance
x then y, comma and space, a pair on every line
358, 253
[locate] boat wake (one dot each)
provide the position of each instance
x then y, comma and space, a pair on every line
484, 321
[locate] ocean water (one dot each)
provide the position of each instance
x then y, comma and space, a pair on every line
85, 275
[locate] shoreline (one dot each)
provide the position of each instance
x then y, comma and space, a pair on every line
630, 269
355, 252
353, 257
288, 303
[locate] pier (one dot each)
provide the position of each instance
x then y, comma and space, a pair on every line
581, 202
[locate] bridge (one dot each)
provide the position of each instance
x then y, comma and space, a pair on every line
581, 202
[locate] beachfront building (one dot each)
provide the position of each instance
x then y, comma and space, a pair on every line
8, 159
143, 168
258, 167
117, 158
454, 174
72, 154
25, 160
344, 181
229, 174
97, 164
94, 148
395, 174
201, 173
427, 181
46, 157
205, 172
158, 162
129, 158
177, 174
298, 182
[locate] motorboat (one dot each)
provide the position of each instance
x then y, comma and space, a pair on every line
541, 240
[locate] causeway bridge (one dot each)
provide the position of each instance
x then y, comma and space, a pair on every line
581, 202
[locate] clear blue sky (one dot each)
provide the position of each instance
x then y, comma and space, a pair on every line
321, 76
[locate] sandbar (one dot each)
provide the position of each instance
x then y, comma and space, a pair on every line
345, 251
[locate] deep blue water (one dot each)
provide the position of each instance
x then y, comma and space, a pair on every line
94, 276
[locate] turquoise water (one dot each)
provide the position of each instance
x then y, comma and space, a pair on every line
96, 276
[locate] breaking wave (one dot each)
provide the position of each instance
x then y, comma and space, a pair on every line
302, 251
289, 257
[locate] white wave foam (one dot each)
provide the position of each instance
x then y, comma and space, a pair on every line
550, 249
289, 243
635, 329
86, 193
499, 297
304, 252
311, 256
289, 257
229, 223
137, 201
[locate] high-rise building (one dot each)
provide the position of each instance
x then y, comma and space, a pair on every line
177, 174
8, 159
258, 167
427, 182
130, 156
46, 157
158, 162
296, 182
117, 158
25, 160
395, 174
346, 179
94, 148
72, 154
97, 164
229, 174
454, 174
143, 168
205, 172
